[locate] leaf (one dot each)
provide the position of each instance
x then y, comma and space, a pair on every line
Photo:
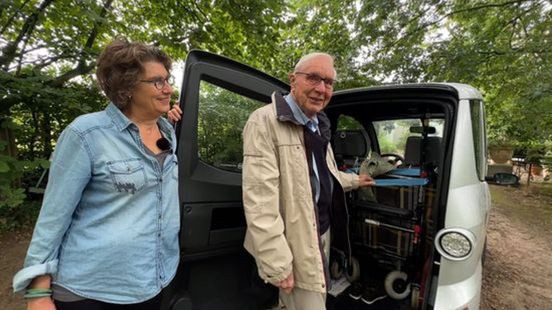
4, 167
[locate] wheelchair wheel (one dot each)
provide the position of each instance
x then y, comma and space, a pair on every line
415, 298
335, 270
396, 285
353, 270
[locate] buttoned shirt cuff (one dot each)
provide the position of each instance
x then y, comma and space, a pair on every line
276, 278
23, 278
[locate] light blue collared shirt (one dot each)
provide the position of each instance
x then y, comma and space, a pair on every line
109, 223
312, 124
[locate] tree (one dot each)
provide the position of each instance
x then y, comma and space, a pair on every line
49, 50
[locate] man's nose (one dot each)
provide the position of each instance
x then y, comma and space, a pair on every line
320, 87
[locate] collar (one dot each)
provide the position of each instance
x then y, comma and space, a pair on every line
298, 113
122, 122
284, 113
119, 119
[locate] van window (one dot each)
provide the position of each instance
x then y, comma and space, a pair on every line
392, 134
221, 117
478, 132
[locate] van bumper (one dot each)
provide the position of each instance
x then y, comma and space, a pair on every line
460, 295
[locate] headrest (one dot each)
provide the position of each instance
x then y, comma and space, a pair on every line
349, 143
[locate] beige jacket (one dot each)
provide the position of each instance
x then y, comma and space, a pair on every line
282, 232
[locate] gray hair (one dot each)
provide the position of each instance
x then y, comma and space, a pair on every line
306, 58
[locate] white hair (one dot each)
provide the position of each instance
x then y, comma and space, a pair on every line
305, 59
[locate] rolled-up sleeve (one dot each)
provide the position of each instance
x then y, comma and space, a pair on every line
69, 174
261, 177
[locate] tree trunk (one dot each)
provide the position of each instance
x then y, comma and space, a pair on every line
6, 135
9, 51
46, 136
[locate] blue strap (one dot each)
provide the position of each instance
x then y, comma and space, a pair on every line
409, 172
401, 182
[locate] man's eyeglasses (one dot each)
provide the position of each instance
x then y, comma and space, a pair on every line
315, 79
159, 83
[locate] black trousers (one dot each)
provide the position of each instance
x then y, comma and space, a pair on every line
91, 304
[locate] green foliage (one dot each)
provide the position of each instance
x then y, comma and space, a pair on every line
222, 116
387, 145
503, 49
348, 123
13, 217
13, 211
48, 52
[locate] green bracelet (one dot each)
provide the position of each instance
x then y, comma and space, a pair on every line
37, 292
31, 296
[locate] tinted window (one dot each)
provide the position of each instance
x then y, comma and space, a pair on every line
221, 117
478, 131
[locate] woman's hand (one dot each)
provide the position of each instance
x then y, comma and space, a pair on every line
175, 113
41, 303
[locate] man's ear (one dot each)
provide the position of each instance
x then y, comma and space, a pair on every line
291, 78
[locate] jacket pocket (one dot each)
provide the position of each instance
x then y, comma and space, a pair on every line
128, 175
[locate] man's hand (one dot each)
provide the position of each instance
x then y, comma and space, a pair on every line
40, 303
287, 284
365, 180
175, 113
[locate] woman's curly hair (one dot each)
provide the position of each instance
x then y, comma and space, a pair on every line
120, 65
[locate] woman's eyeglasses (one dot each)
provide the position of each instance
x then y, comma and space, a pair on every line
159, 83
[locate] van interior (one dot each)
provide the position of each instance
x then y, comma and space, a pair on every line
392, 224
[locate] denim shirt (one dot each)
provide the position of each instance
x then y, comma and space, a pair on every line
109, 223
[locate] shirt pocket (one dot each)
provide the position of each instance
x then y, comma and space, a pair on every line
128, 175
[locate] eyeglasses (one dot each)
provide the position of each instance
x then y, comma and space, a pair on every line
315, 79
159, 83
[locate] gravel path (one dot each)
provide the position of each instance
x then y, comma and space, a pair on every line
517, 272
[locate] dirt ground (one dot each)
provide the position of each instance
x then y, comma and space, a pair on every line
518, 267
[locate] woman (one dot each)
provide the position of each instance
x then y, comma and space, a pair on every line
107, 233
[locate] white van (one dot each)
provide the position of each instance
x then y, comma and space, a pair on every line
417, 239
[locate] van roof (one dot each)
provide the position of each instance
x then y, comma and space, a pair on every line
463, 91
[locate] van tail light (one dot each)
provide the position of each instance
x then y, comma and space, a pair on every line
455, 244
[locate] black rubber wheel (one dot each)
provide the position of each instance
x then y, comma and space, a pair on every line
353, 270
396, 285
335, 270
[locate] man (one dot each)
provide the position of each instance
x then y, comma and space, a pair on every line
292, 190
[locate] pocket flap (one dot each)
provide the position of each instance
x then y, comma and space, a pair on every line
125, 166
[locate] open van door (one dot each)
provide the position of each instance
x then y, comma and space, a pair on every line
215, 272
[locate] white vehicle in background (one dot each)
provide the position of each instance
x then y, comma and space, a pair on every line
417, 239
